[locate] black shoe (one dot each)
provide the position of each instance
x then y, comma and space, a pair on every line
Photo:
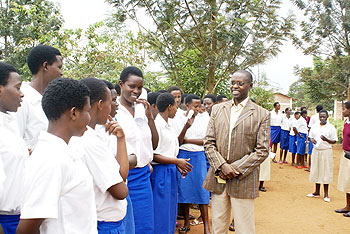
341, 211
262, 189
346, 214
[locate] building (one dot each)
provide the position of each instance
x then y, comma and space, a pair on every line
284, 100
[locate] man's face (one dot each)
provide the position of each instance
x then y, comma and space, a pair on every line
10, 94
346, 112
323, 118
297, 116
177, 96
240, 86
208, 104
194, 105
55, 69
172, 110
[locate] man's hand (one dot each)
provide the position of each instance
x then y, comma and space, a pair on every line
228, 172
114, 128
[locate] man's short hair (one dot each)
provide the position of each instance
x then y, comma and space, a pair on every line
303, 108
220, 97
303, 112
40, 54
63, 94
247, 73
347, 105
297, 113
174, 88
190, 98
319, 108
97, 89
211, 96
275, 104
5, 70
164, 100
323, 111
152, 97
109, 84
129, 71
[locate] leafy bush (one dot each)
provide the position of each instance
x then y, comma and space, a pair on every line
339, 125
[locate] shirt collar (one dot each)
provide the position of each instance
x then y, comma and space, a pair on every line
161, 121
241, 104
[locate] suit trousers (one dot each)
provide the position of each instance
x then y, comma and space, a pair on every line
243, 214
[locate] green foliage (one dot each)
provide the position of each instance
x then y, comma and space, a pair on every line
22, 23
262, 94
339, 125
327, 28
326, 81
209, 40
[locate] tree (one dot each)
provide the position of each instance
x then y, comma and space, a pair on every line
261, 93
22, 23
327, 28
219, 36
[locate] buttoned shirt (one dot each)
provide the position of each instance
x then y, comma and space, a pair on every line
13, 153
276, 118
168, 145
137, 133
327, 130
31, 117
59, 189
104, 169
235, 113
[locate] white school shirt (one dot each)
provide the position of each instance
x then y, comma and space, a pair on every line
314, 119
286, 123
327, 130
276, 119
137, 133
168, 145
13, 153
196, 131
294, 124
104, 169
2, 178
31, 117
301, 125
58, 189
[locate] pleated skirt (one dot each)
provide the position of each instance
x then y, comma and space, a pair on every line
284, 140
344, 175
321, 171
275, 134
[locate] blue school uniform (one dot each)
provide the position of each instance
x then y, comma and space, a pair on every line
301, 144
111, 227
141, 195
165, 188
275, 134
284, 140
292, 144
190, 187
311, 147
9, 223
128, 222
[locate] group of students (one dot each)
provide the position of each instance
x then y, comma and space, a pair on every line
88, 156
294, 134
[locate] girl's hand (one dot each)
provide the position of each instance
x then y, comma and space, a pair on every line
114, 128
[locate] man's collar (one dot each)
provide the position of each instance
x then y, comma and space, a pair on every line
242, 103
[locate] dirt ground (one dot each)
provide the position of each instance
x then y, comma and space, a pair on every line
284, 208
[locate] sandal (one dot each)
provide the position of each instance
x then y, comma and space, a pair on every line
196, 222
184, 230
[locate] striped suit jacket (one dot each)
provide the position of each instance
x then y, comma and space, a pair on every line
250, 140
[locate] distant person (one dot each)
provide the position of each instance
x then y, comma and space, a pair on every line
233, 174
276, 121
315, 119
209, 101
284, 139
307, 117
221, 98
117, 88
152, 100
45, 64
183, 105
292, 148
322, 135
344, 165
176, 92
301, 131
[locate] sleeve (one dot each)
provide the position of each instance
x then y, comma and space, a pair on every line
312, 133
159, 150
103, 166
249, 162
214, 157
21, 116
42, 184
333, 135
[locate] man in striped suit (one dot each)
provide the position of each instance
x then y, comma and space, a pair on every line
237, 142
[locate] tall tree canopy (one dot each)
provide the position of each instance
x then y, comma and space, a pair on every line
22, 23
218, 36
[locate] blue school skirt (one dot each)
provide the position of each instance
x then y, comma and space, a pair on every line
110, 227
284, 140
292, 144
164, 187
128, 221
275, 134
301, 144
141, 195
9, 223
191, 187
311, 147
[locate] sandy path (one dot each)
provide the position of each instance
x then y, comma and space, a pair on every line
284, 208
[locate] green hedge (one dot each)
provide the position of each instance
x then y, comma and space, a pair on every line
339, 125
